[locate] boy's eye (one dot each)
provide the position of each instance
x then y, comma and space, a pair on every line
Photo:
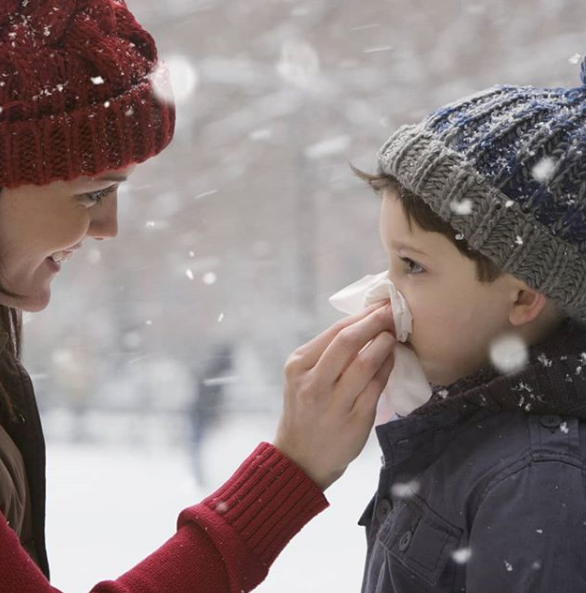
95, 197
414, 267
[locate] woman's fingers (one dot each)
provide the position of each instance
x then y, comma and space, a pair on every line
367, 401
365, 369
348, 343
310, 353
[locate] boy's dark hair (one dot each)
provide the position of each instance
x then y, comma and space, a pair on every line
419, 212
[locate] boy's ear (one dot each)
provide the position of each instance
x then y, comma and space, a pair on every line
527, 306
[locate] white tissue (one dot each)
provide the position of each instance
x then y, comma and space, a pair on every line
407, 387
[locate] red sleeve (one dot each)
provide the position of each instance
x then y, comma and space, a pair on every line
225, 544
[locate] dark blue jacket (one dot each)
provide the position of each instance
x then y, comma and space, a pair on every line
483, 489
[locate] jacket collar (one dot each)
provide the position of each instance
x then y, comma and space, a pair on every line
553, 381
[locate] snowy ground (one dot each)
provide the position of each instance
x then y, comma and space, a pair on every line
109, 506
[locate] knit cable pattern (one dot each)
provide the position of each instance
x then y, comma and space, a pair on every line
76, 90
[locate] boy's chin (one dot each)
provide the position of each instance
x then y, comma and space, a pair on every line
441, 378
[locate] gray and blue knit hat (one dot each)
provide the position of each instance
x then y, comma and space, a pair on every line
506, 168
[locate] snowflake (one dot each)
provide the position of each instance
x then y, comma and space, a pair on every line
209, 278
463, 208
508, 566
462, 555
406, 490
544, 169
575, 59
546, 362
509, 353
522, 386
564, 427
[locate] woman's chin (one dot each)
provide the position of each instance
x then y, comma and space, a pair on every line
33, 304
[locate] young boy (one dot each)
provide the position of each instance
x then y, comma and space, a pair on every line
483, 217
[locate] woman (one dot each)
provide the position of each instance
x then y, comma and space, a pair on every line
79, 110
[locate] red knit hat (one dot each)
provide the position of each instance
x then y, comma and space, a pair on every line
79, 84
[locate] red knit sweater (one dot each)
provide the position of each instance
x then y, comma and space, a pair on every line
224, 544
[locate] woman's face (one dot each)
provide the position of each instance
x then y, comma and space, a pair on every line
37, 222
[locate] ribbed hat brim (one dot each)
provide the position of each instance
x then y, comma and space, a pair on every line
129, 128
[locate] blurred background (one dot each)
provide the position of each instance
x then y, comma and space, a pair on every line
158, 363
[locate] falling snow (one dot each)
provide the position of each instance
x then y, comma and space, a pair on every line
328, 147
509, 353
462, 555
575, 59
209, 278
405, 490
544, 169
299, 63
463, 208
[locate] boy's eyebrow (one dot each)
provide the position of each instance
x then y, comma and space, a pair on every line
406, 246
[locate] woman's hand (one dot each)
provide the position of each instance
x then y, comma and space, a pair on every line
332, 386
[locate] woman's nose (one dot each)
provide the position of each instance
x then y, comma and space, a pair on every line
105, 224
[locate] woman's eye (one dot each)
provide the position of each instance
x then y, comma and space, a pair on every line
96, 196
414, 267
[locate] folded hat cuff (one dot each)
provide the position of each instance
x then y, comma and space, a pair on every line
128, 128
496, 226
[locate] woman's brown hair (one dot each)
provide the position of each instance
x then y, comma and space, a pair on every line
11, 324
419, 212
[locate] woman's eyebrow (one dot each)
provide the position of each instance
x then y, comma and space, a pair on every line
119, 178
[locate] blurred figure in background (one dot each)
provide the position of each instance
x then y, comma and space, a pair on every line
207, 403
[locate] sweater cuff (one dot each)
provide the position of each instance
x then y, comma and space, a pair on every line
267, 501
